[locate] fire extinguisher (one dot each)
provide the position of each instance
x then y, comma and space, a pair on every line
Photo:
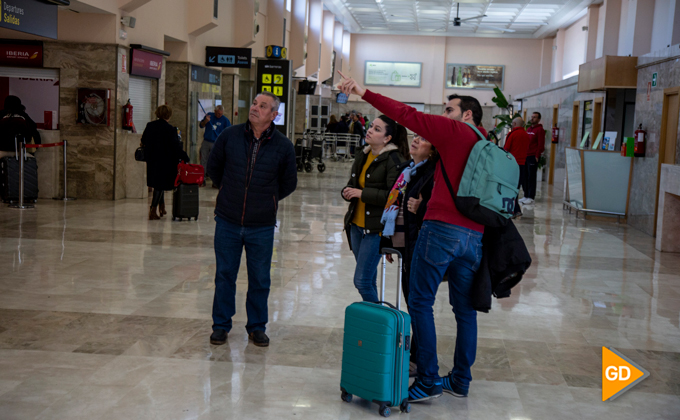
128, 123
555, 135
640, 135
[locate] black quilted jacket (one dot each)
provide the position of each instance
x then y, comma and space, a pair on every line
250, 189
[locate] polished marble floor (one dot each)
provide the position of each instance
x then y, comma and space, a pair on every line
106, 315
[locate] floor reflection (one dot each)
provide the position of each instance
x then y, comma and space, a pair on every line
106, 315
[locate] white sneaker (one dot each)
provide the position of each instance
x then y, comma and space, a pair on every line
523, 200
529, 201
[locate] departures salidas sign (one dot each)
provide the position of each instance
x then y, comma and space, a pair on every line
30, 16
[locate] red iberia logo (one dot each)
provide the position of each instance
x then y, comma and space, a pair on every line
619, 374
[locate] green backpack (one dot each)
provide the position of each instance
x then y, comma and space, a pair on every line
489, 186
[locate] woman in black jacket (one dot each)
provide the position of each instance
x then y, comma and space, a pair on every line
162, 151
374, 171
405, 210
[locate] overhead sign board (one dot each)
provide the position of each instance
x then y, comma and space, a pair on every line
274, 76
202, 75
143, 63
389, 73
21, 53
470, 76
228, 57
30, 16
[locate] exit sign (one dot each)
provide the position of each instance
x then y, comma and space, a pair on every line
654, 79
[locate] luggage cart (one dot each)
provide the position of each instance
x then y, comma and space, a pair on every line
309, 149
346, 145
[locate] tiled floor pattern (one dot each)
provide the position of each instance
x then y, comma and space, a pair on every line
106, 315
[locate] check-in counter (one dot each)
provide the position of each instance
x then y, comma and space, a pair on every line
598, 182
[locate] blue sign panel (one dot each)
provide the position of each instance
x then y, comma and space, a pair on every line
228, 57
30, 16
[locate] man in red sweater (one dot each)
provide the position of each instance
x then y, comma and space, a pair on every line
448, 241
536, 147
517, 143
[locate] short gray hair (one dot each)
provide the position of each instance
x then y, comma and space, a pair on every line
220, 107
277, 101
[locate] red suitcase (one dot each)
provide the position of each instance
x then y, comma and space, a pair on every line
188, 173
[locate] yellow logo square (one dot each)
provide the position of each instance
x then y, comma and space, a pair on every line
278, 79
266, 78
278, 90
266, 88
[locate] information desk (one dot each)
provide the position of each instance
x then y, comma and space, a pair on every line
598, 182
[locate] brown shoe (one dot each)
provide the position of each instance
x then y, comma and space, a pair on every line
152, 214
161, 209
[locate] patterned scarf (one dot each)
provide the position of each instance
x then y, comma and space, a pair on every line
394, 200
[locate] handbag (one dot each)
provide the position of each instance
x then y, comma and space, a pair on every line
139, 154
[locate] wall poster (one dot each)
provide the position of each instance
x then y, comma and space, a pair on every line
472, 76
389, 73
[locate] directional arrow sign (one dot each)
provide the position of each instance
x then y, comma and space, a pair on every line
228, 57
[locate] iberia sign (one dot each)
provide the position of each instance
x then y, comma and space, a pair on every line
30, 16
21, 54
146, 64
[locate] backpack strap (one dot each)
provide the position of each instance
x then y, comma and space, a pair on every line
481, 137
441, 164
447, 180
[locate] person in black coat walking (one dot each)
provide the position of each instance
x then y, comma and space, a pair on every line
163, 151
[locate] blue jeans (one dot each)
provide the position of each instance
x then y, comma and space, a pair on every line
443, 247
230, 239
366, 249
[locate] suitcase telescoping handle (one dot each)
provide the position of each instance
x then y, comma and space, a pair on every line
384, 253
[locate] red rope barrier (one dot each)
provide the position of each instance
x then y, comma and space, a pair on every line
38, 146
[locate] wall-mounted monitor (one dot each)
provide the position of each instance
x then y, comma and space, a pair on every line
474, 76
390, 73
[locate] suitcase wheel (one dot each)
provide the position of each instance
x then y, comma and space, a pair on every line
385, 411
321, 167
405, 406
346, 396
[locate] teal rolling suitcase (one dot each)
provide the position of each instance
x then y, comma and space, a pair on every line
375, 350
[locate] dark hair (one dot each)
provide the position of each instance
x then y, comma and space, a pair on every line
13, 104
468, 103
164, 112
398, 133
333, 120
537, 113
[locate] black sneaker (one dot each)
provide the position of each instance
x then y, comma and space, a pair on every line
419, 392
450, 387
259, 338
218, 337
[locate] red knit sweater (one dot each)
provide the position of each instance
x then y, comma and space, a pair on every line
454, 141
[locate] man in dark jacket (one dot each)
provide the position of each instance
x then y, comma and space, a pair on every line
253, 165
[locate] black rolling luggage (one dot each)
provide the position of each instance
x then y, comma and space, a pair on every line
185, 202
10, 174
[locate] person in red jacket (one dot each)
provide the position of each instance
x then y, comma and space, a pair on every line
448, 241
536, 147
517, 143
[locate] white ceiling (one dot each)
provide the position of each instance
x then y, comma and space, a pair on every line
527, 18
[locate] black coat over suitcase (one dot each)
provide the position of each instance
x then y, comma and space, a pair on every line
10, 174
185, 202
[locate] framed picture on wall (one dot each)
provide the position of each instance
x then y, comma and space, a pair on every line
474, 76
94, 106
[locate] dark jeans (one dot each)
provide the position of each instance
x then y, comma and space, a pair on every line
230, 239
529, 180
442, 247
366, 249
522, 176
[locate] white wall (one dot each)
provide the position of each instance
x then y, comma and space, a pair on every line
521, 57
575, 41
664, 12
